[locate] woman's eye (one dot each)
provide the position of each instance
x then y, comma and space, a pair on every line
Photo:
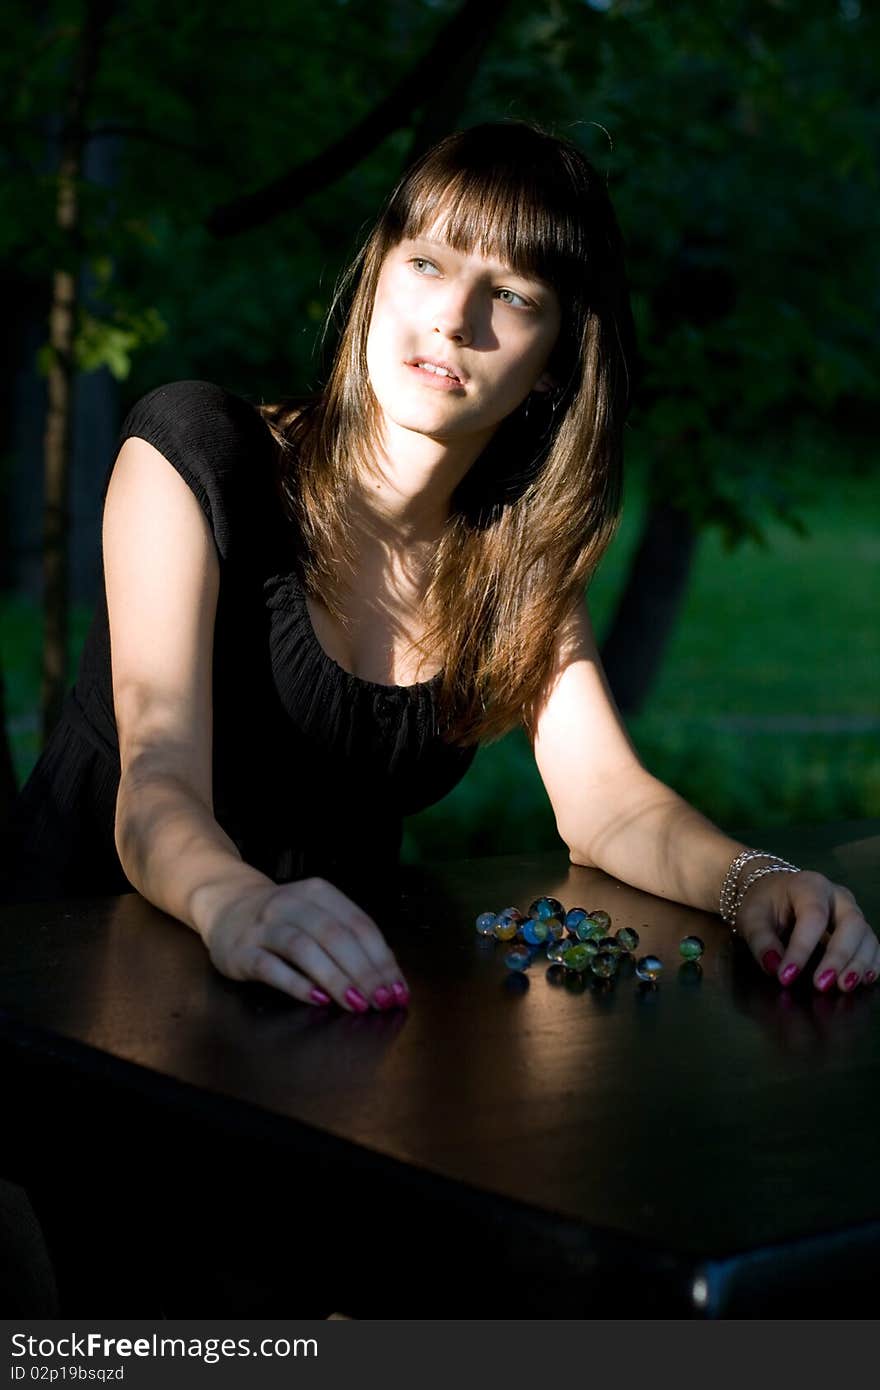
419, 263
512, 298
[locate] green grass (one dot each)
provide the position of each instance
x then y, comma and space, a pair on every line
787, 631
790, 630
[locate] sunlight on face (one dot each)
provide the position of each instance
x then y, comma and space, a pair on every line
492, 327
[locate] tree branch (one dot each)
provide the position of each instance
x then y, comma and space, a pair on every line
470, 27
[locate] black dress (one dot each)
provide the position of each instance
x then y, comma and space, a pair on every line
313, 768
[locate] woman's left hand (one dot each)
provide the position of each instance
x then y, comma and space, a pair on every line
811, 905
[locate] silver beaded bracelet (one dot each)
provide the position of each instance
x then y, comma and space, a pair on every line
732, 894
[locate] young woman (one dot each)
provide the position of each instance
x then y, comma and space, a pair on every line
316, 611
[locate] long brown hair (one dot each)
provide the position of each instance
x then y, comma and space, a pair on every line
530, 521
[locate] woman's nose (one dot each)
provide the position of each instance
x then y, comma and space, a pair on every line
452, 320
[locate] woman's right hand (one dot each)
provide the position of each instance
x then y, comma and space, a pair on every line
309, 940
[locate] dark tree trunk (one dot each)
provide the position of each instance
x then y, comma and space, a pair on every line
648, 607
59, 385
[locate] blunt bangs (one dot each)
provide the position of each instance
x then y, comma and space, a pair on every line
505, 191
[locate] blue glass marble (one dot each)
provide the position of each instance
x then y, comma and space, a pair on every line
517, 958
649, 968
573, 917
535, 931
486, 923
546, 907
512, 914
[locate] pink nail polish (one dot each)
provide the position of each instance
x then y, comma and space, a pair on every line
401, 993
318, 996
383, 998
770, 961
789, 973
826, 979
850, 979
356, 1000
870, 977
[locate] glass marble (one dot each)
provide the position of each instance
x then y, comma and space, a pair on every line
534, 931
576, 957
691, 947
628, 938
649, 967
546, 907
504, 929
610, 944
555, 927
604, 964
517, 958
602, 918
513, 914
486, 923
574, 917
556, 949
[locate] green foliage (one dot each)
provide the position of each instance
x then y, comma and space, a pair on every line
739, 142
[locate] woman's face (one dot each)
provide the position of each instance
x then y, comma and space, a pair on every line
494, 329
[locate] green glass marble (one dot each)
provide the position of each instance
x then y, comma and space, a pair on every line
628, 938
576, 957
691, 947
649, 968
595, 930
602, 918
610, 944
604, 964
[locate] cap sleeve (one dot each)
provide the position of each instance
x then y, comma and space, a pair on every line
218, 443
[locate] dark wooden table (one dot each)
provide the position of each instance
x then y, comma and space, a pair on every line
508, 1147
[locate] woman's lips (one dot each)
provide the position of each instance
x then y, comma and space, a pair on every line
439, 383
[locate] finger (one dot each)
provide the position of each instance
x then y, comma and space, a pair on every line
766, 946
873, 970
857, 968
812, 904
363, 927
327, 952
268, 969
847, 935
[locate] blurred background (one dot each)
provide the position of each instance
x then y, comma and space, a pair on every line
184, 185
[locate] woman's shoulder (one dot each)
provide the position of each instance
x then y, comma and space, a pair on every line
217, 441
194, 415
